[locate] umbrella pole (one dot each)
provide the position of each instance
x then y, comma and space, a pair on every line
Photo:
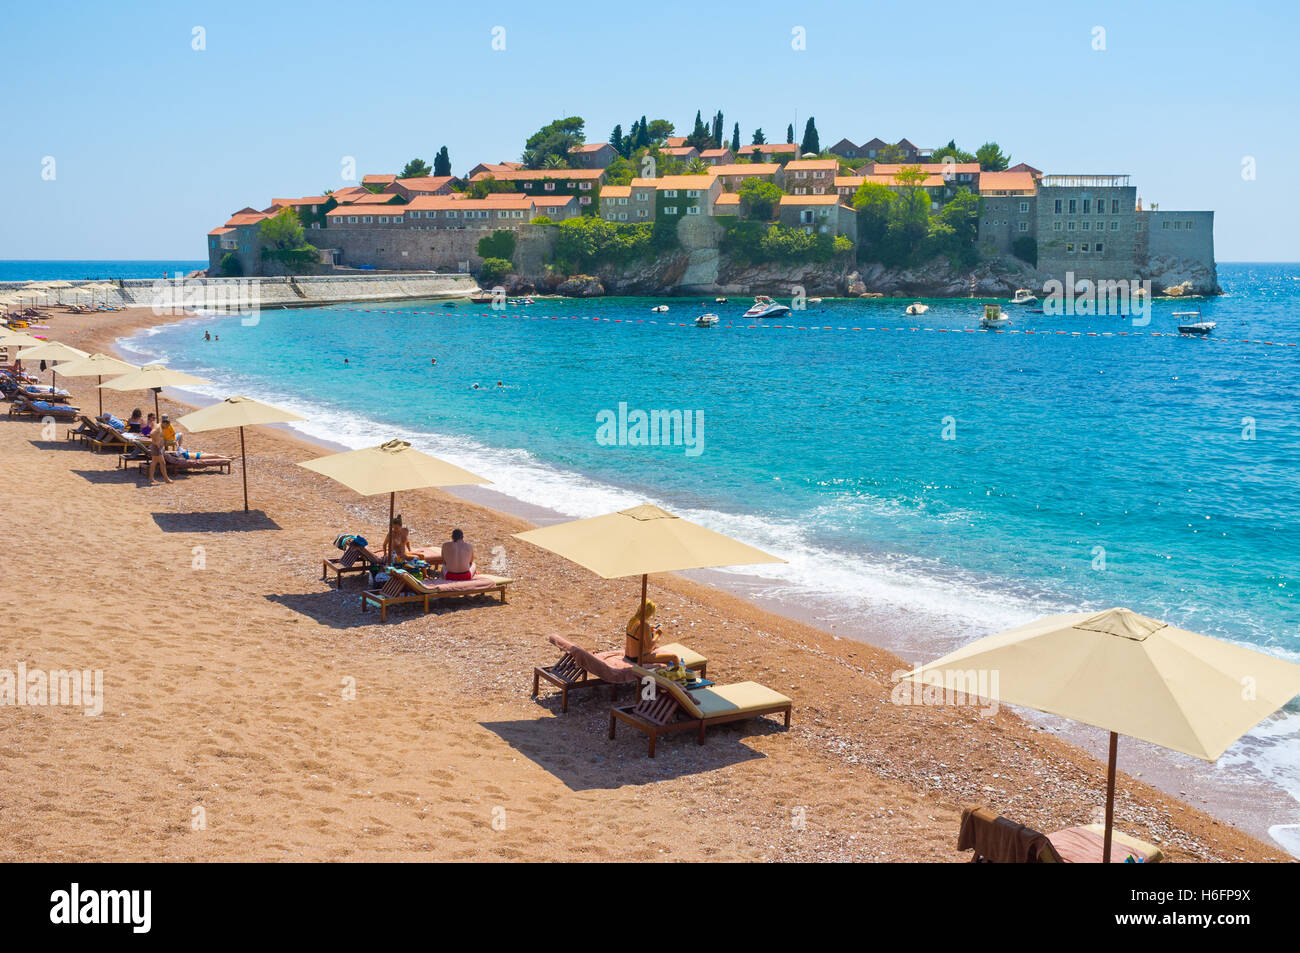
157, 415
100, 378
392, 506
1110, 798
243, 466
644, 577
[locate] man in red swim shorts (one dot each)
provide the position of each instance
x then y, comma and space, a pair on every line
457, 557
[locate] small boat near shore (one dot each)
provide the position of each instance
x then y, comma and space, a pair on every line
1024, 296
765, 307
994, 317
707, 320
1193, 327
916, 308
659, 308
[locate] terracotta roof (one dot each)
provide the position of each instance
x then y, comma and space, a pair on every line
831, 199
747, 168
221, 231
701, 182
1007, 182
424, 203
728, 198
929, 182
376, 179
1026, 167
679, 150
309, 200
812, 164
395, 212
875, 144
675, 141
341, 195
510, 175
591, 147
616, 192
246, 218
555, 199
426, 183
952, 168
714, 153
769, 148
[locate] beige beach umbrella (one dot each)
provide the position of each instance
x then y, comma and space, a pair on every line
1130, 675
642, 540
100, 366
154, 377
238, 412
57, 286
52, 352
13, 340
390, 468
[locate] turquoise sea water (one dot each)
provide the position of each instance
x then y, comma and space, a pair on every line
78, 270
1084, 470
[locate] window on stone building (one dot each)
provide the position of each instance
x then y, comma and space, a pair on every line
1097, 248
1083, 247
1069, 246
1058, 207
1074, 206
1024, 226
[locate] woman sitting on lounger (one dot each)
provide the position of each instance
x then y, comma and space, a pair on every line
637, 651
136, 423
397, 543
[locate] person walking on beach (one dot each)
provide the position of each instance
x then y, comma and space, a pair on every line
457, 557
157, 447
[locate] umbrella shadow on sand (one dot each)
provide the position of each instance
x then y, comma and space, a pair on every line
223, 521
574, 749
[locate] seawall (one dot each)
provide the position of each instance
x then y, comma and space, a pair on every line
273, 292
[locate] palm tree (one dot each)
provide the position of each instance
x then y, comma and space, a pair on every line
697, 166
554, 161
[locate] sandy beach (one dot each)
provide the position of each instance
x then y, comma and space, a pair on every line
229, 734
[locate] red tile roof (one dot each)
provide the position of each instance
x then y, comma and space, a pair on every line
512, 175
1023, 182
747, 168
378, 179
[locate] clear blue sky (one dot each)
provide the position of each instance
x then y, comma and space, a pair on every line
155, 143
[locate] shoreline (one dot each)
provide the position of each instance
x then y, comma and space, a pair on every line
840, 679
1239, 799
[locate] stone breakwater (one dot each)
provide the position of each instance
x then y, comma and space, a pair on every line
271, 292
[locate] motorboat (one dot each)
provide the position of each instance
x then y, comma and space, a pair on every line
1193, 327
814, 300
917, 308
994, 317
659, 308
1024, 296
706, 320
765, 307
719, 300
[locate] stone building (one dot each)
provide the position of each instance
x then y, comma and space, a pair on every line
1087, 225
1008, 210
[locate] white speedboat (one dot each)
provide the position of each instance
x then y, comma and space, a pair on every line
917, 308
1024, 296
706, 320
659, 308
765, 307
994, 317
719, 300
1193, 327
814, 300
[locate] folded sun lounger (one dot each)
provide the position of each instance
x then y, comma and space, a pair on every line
354, 559
578, 668
672, 708
1000, 840
404, 587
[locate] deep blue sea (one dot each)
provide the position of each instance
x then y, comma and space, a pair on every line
76, 270
1109, 465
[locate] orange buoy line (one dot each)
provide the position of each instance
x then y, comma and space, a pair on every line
813, 327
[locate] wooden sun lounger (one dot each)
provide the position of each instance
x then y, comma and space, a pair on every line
403, 587
24, 406
355, 559
87, 427
175, 463
994, 839
671, 708
578, 668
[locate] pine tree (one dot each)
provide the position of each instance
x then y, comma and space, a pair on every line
442, 162
717, 130
735, 139
616, 140
759, 138
642, 135
789, 133
811, 141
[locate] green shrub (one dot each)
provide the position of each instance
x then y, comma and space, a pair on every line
588, 242
1026, 249
493, 270
500, 244
231, 266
